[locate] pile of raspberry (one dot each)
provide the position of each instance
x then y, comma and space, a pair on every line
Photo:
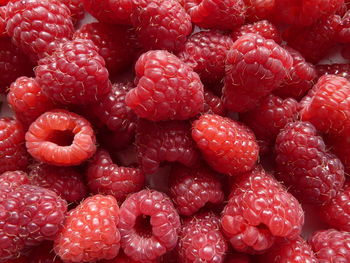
163, 131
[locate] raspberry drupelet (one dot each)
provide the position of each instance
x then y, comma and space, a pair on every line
60, 137
11, 179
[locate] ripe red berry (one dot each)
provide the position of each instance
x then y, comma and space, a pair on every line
60, 137
76, 8
341, 70
11, 179
340, 146
257, 10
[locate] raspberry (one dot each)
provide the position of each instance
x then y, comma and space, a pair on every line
74, 74
13, 179
328, 107
44, 254
13, 64
237, 258
148, 225
216, 14
258, 10
331, 245
343, 32
260, 209
13, 154
76, 8
29, 215
167, 88
192, 189
114, 140
300, 79
37, 26
200, 240
263, 28
64, 181
105, 177
303, 164
164, 141
227, 146
60, 137
340, 146
341, 70
113, 41
27, 100
206, 53
90, 231
213, 104
161, 24
2, 21
254, 67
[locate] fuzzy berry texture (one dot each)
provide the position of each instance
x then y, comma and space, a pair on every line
106, 177
303, 163
255, 66
201, 240
341, 70
260, 209
193, 189
164, 141
60, 137
148, 225
331, 246
27, 100
228, 146
37, 26
167, 88
213, 104
12, 179
206, 53
76, 8
90, 231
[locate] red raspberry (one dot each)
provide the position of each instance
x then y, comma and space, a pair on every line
303, 164
193, 189
44, 254
164, 141
200, 240
74, 74
343, 32
13, 64
329, 104
258, 10
213, 104
206, 53
259, 210
167, 88
29, 215
13, 179
254, 67
37, 26
76, 8
341, 70
161, 24
90, 231
263, 28
148, 225
27, 100
237, 258
64, 181
60, 137
226, 145
340, 146
113, 41
13, 154
331, 246
216, 14
2, 21
115, 140
105, 177
300, 79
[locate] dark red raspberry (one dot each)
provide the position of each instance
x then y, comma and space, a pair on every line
13, 154
29, 215
167, 88
260, 209
164, 141
216, 14
115, 140
200, 240
148, 225
74, 74
206, 53
60, 137
105, 177
44, 254
27, 100
76, 8
237, 258
13, 64
213, 104
340, 146
64, 181
270, 116
341, 70
302, 162
331, 246
300, 79
113, 41
343, 31
258, 10
263, 28
255, 66
227, 146
161, 24
90, 231
13, 179
192, 189
37, 26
